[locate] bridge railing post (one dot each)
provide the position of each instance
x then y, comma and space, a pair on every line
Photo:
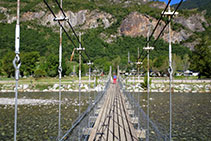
17, 64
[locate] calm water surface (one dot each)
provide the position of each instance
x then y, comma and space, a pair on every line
191, 115
40, 122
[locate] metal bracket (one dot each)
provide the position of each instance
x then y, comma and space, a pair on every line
148, 48
139, 63
90, 63
61, 19
169, 13
80, 49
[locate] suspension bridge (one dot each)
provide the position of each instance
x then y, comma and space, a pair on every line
115, 114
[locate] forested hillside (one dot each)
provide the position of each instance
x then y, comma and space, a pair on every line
198, 4
103, 28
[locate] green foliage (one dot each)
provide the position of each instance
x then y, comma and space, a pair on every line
83, 70
96, 80
145, 83
70, 67
2, 16
1, 70
198, 4
200, 60
40, 73
43, 42
7, 64
52, 65
116, 63
42, 87
161, 64
29, 61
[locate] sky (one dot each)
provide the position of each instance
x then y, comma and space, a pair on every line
172, 1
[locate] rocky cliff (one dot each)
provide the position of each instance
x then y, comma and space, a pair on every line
135, 24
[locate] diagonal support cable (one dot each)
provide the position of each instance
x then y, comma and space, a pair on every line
167, 22
142, 53
60, 23
155, 28
71, 27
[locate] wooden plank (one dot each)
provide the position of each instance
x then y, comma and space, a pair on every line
113, 122
101, 115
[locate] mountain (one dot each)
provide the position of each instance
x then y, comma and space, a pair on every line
110, 29
198, 4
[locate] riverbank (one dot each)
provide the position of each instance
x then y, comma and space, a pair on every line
72, 85
178, 86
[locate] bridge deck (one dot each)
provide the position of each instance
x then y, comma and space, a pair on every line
113, 121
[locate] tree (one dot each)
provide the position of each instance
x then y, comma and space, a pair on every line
82, 69
116, 62
177, 63
1, 70
70, 66
7, 64
161, 64
40, 73
186, 62
145, 83
29, 63
201, 60
52, 64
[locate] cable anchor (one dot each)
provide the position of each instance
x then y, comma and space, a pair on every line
170, 70
17, 64
60, 69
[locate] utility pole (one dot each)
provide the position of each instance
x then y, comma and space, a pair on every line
60, 19
17, 64
148, 48
133, 73
138, 65
80, 49
89, 64
169, 14
110, 75
60, 75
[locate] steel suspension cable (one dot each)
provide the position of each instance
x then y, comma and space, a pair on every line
89, 64
79, 111
65, 18
158, 22
68, 36
60, 77
148, 95
71, 27
17, 64
169, 20
155, 28
89, 93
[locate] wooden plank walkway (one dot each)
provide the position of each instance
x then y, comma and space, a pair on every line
113, 122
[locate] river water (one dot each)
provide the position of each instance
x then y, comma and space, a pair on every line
191, 118
39, 120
